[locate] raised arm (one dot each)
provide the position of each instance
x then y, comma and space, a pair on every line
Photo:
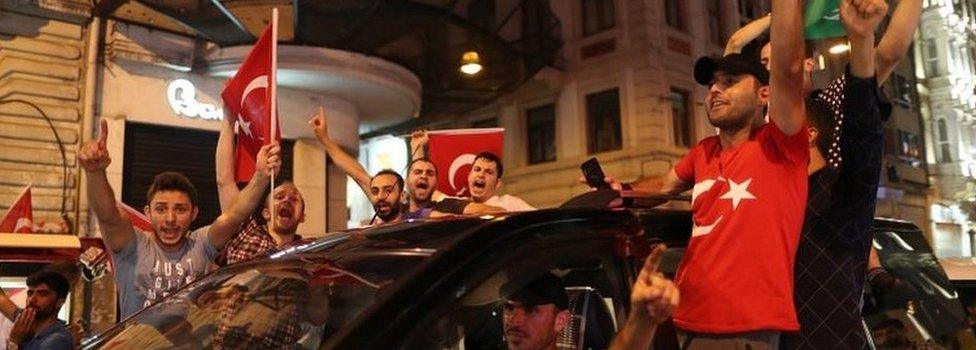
93, 158
860, 22
228, 224
7, 306
418, 143
749, 32
652, 300
227, 190
897, 38
345, 162
786, 98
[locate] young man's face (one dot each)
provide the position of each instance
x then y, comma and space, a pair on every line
532, 327
421, 181
289, 208
44, 300
384, 193
171, 214
733, 100
483, 179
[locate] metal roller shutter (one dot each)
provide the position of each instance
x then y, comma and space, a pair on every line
152, 149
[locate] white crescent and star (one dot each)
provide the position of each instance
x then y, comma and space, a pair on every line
260, 82
456, 165
738, 191
22, 223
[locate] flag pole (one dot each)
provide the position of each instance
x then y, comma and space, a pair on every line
273, 90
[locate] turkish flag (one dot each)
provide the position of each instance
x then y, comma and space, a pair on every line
138, 219
453, 152
250, 96
20, 216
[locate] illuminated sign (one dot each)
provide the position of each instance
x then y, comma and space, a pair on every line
182, 97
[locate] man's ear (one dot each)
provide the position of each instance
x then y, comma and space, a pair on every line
812, 135
145, 210
196, 211
764, 94
562, 320
498, 184
808, 65
266, 214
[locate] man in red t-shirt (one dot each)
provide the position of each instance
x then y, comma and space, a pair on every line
749, 188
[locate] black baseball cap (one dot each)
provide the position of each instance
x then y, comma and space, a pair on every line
734, 63
547, 289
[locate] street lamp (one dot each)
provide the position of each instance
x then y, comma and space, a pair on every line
839, 48
470, 63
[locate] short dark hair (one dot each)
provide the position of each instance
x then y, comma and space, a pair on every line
172, 181
56, 281
421, 159
399, 179
821, 117
491, 157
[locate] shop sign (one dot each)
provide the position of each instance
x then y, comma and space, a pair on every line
182, 97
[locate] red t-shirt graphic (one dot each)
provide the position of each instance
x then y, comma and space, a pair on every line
748, 204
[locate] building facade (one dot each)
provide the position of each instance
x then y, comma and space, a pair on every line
624, 93
945, 55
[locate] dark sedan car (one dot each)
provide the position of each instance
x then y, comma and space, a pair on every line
415, 285
436, 285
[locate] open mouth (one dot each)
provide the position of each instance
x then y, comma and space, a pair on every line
171, 232
478, 184
717, 103
286, 212
423, 185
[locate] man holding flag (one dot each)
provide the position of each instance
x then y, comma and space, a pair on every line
150, 266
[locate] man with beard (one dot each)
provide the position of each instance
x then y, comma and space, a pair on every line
533, 315
421, 180
384, 190
37, 326
749, 193
255, 239
150, 266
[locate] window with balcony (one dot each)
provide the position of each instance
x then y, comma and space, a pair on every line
716, 24
674, 14
945, 147
603, 122
598, 16
540, 130
681, 117
932, 58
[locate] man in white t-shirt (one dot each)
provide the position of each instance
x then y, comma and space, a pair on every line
485, 178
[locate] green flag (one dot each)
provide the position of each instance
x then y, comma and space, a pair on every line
822, 19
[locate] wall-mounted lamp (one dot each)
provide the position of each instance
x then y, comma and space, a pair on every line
470, 63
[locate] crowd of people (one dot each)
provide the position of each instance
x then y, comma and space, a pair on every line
782, 199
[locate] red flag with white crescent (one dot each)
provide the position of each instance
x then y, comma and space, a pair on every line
20, 216
453, 152
250, 95
138, 219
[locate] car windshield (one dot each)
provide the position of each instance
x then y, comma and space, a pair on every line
294, 302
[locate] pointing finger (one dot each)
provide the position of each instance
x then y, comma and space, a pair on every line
103, 133
653, 261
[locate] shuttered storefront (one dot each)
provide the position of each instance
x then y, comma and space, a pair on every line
152, 149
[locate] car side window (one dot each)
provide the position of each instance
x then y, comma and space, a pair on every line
501, 302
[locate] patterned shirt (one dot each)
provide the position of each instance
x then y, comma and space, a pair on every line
252, 242
831, 260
